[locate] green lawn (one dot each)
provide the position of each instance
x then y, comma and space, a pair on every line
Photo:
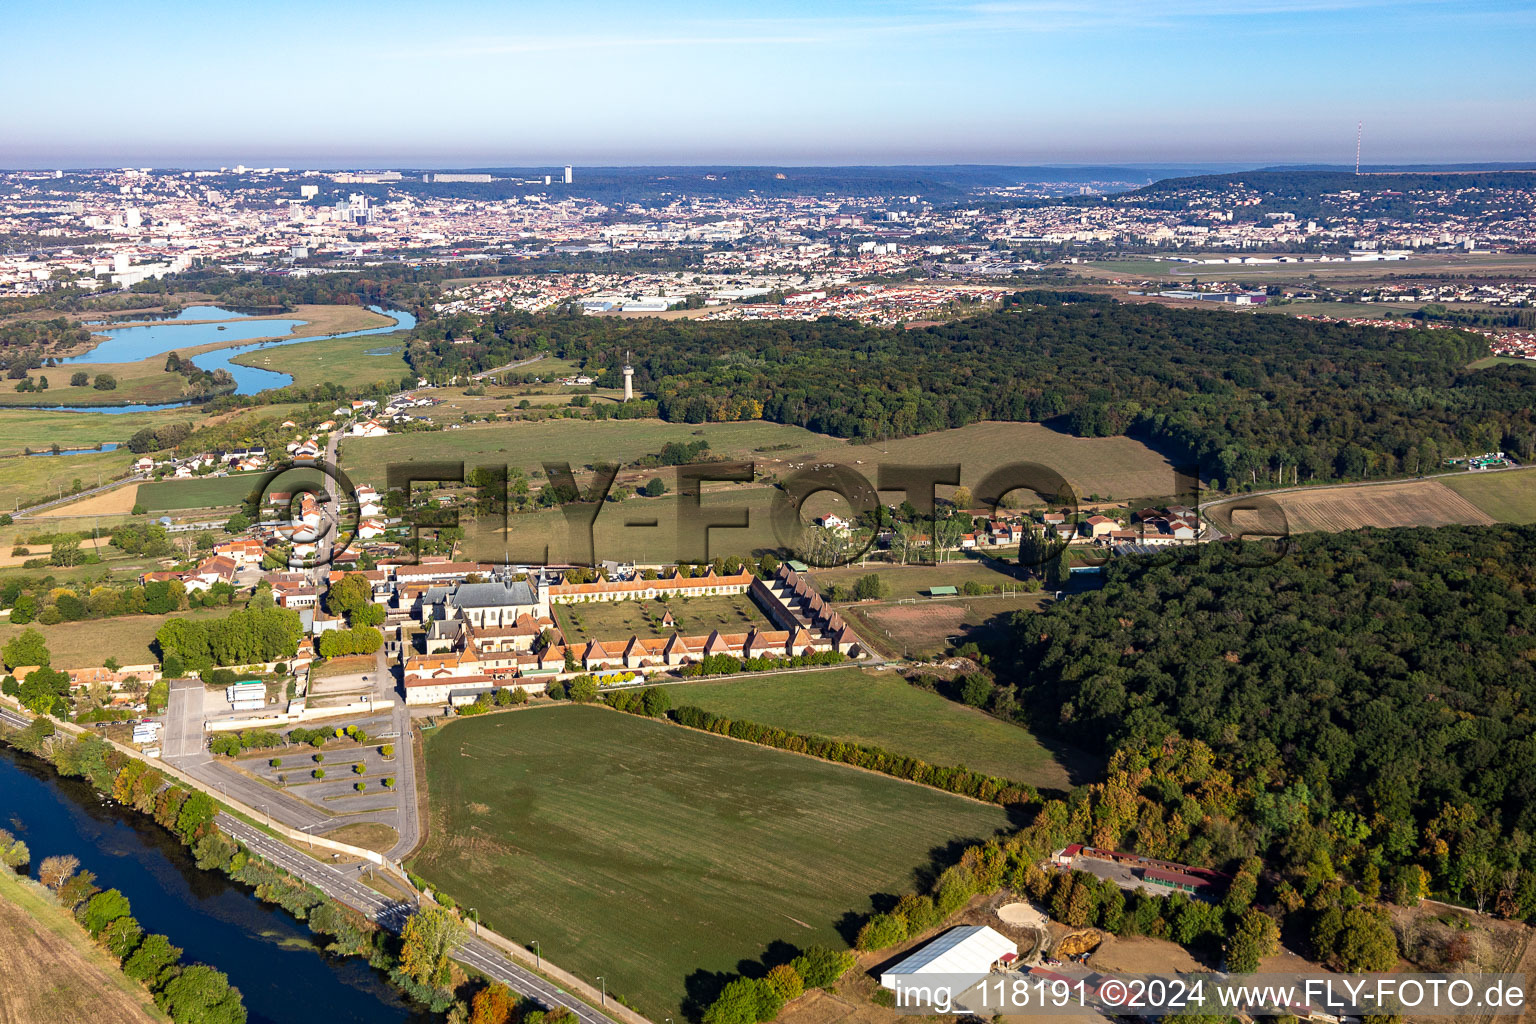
883, 710
694, 616
211, 492
1509, 497
648, 853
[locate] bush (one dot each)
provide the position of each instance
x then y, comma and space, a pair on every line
820, 967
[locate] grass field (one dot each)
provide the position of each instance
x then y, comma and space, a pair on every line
212, 491
915, 580
672, 538
29, 478
1509, 497
52, 973
87, 644
882, 709
370, 835
1410, 503
695, 616
1487, 361
661, 857
1116, 467
350, 362
579, 442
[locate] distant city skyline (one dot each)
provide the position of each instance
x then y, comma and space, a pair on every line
470, 83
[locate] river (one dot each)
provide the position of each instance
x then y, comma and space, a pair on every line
269, 956
131, 344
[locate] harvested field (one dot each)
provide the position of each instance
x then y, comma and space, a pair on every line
52, 973
116, 502
1414, 503
923, 629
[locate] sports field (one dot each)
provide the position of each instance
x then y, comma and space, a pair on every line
655, 855
1410, 503
884, 710
1509, 497
693, 616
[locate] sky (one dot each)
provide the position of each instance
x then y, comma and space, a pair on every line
462, 83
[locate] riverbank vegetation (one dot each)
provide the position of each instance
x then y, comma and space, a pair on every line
53, 973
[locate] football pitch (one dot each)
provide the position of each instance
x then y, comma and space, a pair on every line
659, 857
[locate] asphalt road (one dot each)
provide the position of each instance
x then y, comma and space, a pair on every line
344, 885
183, 720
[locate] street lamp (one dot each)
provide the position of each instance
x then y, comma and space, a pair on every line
537, 961
603, 983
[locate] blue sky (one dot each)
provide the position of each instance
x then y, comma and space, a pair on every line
463, 82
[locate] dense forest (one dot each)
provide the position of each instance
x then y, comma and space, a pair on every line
1246, 397
1371, 694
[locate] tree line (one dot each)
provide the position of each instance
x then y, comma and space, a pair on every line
963, 781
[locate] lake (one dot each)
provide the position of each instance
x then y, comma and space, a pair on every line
269, 956
130, 344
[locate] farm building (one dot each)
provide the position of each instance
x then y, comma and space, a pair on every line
968, 949
1178, 880
943, 591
